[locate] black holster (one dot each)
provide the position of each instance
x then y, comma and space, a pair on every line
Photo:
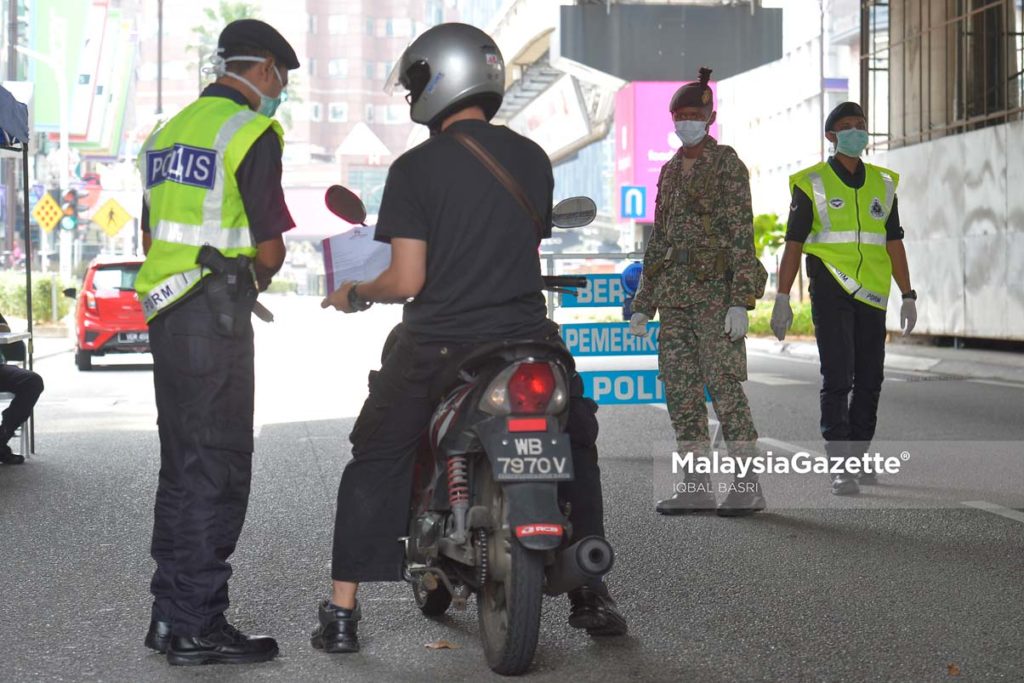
230, 290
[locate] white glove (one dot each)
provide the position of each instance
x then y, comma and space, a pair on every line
736, 323
908, 316
638, 325
782, 316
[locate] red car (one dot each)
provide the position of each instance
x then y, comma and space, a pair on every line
109, 316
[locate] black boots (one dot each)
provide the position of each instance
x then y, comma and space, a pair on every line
159, 635
9, 457
223, 644
693, 495
337, 630
745, 497
592, 608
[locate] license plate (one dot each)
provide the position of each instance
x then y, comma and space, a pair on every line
133, 337
531, 457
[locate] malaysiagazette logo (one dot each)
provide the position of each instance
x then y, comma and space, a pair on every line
797, 463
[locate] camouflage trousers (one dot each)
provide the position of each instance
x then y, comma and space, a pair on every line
695, 352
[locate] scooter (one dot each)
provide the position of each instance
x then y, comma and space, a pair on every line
485, 518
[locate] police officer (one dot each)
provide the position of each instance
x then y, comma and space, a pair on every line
467, 251
844, 216
212, 176
700, 271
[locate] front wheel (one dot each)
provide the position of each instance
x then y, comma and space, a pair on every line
83, 360
509, 611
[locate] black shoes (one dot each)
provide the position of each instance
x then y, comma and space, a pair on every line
592, 608
337, 630
694, 495
9, 457
744, 499
844, 485
868, 479
159, 635
223, 645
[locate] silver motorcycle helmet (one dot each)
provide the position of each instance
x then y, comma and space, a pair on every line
448, 68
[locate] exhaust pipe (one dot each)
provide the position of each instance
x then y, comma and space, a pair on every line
589, 558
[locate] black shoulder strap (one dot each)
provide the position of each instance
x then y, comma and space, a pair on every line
503, 177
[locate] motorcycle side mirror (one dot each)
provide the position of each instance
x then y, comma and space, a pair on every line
344, 204
574, 212
71, 293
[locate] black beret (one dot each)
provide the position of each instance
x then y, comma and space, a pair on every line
844, 109
255, 33
695, 94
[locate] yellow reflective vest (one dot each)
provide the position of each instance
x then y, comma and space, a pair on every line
188, 169
848, 233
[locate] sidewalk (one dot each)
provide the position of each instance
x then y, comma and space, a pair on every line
972, 363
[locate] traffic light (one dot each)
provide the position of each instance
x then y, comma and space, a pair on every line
71, 208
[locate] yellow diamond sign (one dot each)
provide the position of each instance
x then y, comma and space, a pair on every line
47, 213
111, 217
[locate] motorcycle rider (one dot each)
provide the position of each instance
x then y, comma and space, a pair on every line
467, 251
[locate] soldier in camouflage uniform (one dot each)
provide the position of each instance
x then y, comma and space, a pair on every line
701, 272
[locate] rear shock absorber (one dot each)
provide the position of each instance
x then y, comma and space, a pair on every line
458, 494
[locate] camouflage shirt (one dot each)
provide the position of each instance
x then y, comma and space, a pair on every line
702, 246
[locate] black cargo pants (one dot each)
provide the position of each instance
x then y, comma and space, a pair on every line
204, 398
376, 485
851, 349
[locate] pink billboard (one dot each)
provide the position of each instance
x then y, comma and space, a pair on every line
645, 139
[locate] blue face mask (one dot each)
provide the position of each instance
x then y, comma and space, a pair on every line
268, 105
852, 142
691, 133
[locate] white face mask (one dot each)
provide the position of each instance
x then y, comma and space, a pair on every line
268, 105
691, 133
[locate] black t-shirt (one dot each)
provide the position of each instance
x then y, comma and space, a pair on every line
483, 269
801, 211
259, 180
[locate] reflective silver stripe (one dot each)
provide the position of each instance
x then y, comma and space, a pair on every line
170, 290
858, 291
820, 200
198, 235
875, 238
841, 237
890, 190
213, 204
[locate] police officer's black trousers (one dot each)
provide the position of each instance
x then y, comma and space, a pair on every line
376, 485
851, 348
204, 398
26, 387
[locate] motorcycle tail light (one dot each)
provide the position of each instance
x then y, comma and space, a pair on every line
531, 388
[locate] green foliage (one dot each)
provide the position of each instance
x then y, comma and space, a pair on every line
769, 233
205, 35
12, 297
283, 287
761, 317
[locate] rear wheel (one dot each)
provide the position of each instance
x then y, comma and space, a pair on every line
509, 610
83, 359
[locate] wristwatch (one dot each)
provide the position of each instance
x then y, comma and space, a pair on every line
355, 302
910, 295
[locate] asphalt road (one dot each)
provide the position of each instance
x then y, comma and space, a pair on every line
905, 583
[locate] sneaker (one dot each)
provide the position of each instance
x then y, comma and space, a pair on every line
337, 630
9, 457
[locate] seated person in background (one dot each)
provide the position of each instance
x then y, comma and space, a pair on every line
26, 387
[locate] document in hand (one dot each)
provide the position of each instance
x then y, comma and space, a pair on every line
354, 255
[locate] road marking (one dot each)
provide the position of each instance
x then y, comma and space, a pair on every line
986, 506
773, 380
997, 383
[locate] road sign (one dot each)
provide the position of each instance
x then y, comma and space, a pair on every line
623, 387
47, 213
609, 339
111, 217
603, 290
634, 201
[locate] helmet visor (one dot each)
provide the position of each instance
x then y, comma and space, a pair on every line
394, 83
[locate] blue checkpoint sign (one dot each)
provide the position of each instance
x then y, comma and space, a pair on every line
603, 290
609, 339
633, 201
623, 387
